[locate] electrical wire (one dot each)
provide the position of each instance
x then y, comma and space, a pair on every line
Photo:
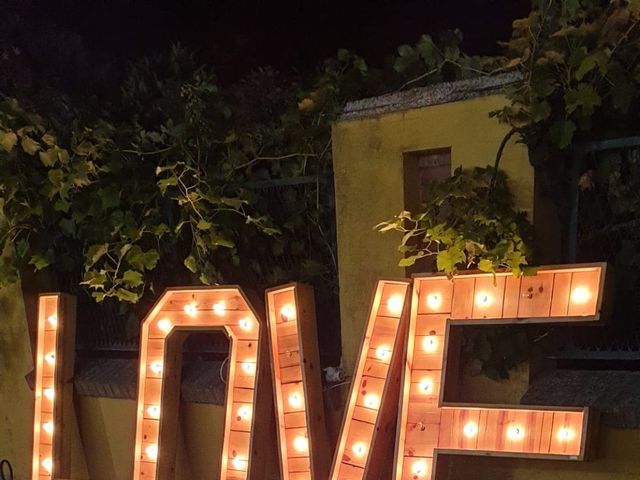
221, 372
6, 470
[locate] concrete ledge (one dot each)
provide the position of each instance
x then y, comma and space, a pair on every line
425, 96
616, 394
202, 381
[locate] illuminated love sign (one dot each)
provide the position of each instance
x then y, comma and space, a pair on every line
428, 425
370, 406
406, 360
51, 454
178, 312
297, 383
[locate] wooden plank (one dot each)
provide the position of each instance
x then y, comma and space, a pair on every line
463, 289
488, 297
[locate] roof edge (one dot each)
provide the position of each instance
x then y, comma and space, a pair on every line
436, 94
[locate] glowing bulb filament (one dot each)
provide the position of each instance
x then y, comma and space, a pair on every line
245, 323
394, 304
49, 393
244, 412
359, 449
191, 309
287, 313
219, 308
152, 451
164, 325
153, 411
156, 367
239, 463
515, 432
53, 321
434, 301
430, 344
425, 385
580, 295
295, 400
301, 444
566, 434
48, 427
383, 352
484, 299
248, 367
50, 358
419, 468
470, 429
47, 464
371, 400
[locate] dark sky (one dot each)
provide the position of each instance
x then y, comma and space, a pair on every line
239, 35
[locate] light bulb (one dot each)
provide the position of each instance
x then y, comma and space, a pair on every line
484, 299
219, 308
248, 367
434, 301
287, 313
152, 451
156, 367
425, 385
295, 400
371, 400
244, 412
580, 295
164, 325
50, 358
515, 432
394, 304
245, 323
48, 427
359, 449
153, 411
565, 434
239, 463
47, 464
419, 469
430, 343
49, 393
301, 444
383, 352
53, 321
470, 429
191, 309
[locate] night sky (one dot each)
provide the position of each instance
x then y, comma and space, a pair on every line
236, 36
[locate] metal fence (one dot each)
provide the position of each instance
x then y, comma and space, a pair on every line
604, 225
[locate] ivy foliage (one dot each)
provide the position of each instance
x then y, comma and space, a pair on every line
468, 222
155, 185
580, 71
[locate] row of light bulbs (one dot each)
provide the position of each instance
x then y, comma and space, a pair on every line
420, 468
49, 394
579, 296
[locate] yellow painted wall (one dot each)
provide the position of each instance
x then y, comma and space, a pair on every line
368, 166
107, 428
16, 399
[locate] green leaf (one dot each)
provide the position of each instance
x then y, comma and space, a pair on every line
485, 265
132, 278
204, 225
165, 183
583, 96
127, 295
39, 261
95, 253
142, 260
191, 263
29, 145
8, 141
448, 259
561, 133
